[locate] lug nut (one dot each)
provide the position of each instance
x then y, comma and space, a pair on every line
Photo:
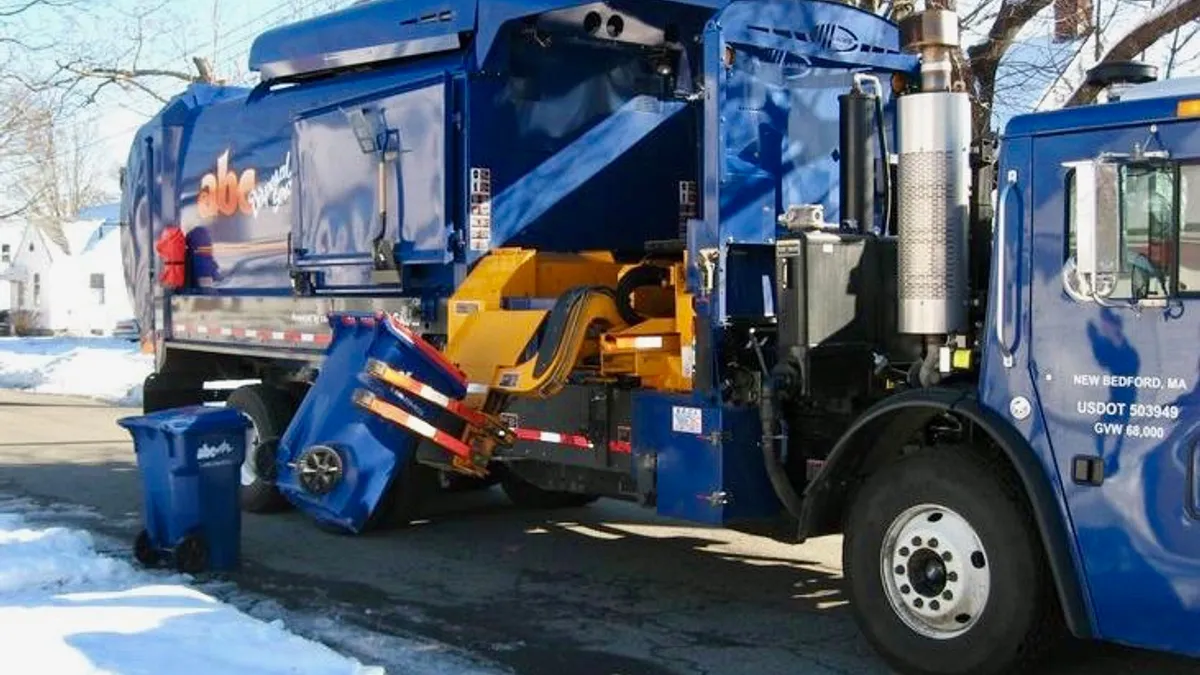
947, 595
953, 576
899, 569
918, 603
933, 543
947, 557
904, 551
916, 541
905, 590
934, 605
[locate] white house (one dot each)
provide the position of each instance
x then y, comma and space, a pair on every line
10, 238
101, 297
80, 290
33, 286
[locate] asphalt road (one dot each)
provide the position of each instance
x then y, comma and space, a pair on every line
607, 589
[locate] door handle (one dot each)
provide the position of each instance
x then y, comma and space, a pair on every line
1010, 181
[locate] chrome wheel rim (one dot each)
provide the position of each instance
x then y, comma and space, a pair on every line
320, 469
936, 573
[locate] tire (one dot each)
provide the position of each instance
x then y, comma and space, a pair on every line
975, 507
270, 410
410, 491
144, 551
527, 495
191, 554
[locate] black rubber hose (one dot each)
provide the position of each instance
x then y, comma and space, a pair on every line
638, 277
776, 471
887, 167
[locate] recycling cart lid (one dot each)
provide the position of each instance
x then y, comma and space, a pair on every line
191, 419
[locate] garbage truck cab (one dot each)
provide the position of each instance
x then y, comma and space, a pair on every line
739, 262
1091, 348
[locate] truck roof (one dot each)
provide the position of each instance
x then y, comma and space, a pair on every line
381, 30
1156, 103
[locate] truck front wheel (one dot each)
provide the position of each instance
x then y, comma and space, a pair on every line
270, 411
944, 567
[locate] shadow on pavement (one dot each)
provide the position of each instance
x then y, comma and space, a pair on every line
605, 589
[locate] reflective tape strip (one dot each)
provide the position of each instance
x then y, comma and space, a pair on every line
407, 383
571, 440
415, 424
621, 447
322, 339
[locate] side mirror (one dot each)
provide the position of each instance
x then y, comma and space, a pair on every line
1096, 205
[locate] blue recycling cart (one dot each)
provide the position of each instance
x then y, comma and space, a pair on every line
340, 464
190, 463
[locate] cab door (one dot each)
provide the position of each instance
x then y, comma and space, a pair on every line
1118, 381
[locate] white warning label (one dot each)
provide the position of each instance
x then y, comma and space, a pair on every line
687, 420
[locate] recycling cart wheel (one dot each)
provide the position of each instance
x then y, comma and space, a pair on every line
270, 411
144, 551
945, 571
319, 470
191, 554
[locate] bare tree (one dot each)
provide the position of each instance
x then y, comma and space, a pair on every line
1154, 25
1178, 42
992, 68
56, 176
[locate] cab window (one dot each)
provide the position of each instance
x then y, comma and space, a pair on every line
1160, 230
1189, 228
1147, 231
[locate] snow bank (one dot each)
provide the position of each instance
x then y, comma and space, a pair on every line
67, 610
101, 368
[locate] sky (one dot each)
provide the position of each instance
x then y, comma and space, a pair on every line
172, 32
223, 30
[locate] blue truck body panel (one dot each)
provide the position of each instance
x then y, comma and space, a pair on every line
363, 33
1110, 383
709, 464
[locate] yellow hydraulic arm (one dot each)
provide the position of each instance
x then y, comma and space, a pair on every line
494, 344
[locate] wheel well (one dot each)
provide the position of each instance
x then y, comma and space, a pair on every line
911, 421
201, 366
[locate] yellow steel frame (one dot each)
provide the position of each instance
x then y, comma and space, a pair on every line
490, 343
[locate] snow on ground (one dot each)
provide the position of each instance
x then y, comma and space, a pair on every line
67, 609
101, 368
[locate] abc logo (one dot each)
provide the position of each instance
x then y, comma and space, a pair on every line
225, 193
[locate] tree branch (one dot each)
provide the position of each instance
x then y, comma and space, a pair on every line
1156, 24
984, 58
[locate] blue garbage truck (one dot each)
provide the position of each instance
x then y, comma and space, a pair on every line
743, 262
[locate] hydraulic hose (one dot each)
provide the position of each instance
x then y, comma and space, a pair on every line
776, 471
638, 277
